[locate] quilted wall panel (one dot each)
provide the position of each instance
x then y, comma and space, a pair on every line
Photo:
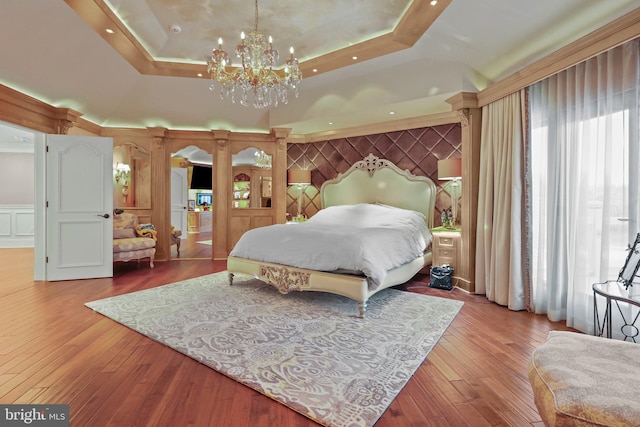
416, 150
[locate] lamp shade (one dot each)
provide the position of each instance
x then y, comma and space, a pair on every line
450, 169
299, 176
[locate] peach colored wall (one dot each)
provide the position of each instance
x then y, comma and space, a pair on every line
17, 179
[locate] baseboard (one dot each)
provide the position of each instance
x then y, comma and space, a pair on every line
464, 284
17, 243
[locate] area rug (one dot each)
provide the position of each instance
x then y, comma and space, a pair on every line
306, 350
205, 242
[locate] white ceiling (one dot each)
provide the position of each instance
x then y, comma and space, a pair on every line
50, 53
187, 30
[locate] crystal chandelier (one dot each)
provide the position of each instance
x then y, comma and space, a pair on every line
263, 160
255, 75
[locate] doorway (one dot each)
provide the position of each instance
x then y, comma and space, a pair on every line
17, 199
191, 203
30, 219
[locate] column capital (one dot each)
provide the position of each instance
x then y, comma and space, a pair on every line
280, 133
463, 115
65, 119
157, 132
463, 100
221, 135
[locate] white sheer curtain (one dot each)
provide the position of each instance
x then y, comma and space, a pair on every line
584, 180
500, 266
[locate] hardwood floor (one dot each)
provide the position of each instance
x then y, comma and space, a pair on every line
191, 249
55, 350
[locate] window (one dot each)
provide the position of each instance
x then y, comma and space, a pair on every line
584, 169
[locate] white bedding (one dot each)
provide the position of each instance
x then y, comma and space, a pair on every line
366, 238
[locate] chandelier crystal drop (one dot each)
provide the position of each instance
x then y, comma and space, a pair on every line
255, 77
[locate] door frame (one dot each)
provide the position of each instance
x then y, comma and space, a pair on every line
40, 226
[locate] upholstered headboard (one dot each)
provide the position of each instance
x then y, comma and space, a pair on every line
375, 180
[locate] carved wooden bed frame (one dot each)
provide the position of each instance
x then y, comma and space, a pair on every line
372, 180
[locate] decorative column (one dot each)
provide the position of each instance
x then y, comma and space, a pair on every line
65, 119
160, 192
279, 174
465, 104
221, 188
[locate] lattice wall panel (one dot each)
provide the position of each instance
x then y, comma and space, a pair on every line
416, 150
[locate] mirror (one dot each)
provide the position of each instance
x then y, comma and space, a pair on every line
251, 179
630, 269
131, 177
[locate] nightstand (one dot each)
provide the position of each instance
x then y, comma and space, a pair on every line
446, 246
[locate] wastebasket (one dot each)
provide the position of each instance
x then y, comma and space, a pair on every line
440, 277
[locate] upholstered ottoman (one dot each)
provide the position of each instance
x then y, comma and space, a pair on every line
582, 380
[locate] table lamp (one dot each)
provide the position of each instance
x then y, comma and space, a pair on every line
451, 170
300, 178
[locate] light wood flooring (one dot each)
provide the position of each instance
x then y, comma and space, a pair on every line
55, 350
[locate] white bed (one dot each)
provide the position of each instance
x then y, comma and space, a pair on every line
369, 181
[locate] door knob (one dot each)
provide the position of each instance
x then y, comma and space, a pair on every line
104, 216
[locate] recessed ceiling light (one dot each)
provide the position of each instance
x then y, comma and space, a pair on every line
109, 30
392, 112
315, 70
199, 74
354, 58
330, 123
434, 2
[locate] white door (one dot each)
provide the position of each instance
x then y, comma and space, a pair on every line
79, 212
179, 196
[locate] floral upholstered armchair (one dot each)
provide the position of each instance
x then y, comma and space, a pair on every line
132, 240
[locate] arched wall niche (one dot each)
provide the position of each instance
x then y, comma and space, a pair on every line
132, 176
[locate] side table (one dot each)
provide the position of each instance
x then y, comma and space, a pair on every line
617, 296
446, 246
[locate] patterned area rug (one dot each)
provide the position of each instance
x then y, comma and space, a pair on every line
306, 350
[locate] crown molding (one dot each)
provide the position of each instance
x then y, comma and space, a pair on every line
415, 21
607, 37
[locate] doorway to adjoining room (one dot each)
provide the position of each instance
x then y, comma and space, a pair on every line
191, 204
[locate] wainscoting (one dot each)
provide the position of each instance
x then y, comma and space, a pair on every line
17, 226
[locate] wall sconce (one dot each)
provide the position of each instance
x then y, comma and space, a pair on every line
451, 170
123, 173
300, 178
